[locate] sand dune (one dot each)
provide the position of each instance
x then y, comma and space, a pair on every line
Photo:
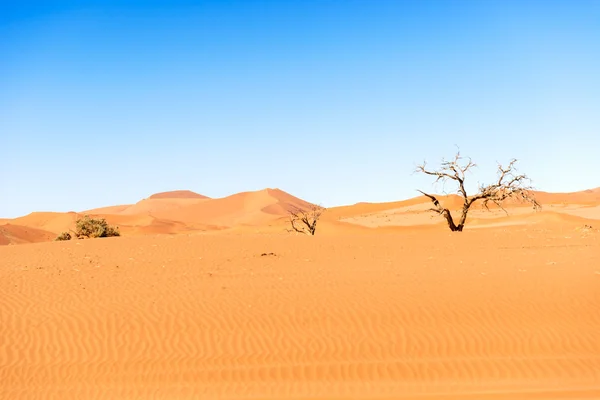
107, 210
164, 201
500, 313
591, 211
266, 211
416, 212
17, 234
197, 210
175, 212
178, 194
155, 206
48, 221
248, 208
417, 204
370, 208
590, 196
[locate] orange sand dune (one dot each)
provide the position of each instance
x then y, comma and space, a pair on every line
590, 196
326, 226
107, 210
48, 221
159, 202
416, 204
420, 214
144, 224
178, 194
17, 234
454, 202
559, 219
417, 211
591, 211
502, 313
369, 208
163, 200
250, 208
61, 222
162, 206
267, 210
177, 212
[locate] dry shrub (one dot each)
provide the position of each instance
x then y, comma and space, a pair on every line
87, 228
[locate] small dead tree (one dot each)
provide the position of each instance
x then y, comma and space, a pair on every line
305, 220
509, 185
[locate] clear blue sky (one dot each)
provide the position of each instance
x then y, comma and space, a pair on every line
105, 103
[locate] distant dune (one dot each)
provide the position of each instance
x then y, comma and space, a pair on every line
247, 208
17, 234
48, 221
590, 196
178, 194
107, 210
267, 210
153, 206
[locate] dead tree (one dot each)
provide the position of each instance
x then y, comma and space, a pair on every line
509, 185
305, 220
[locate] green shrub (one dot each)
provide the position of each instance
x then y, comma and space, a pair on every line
63, 236
87, 227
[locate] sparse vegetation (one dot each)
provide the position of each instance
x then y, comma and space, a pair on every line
305, 221
87, 228
509, 185
63, 236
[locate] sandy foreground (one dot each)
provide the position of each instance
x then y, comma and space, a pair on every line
509, 312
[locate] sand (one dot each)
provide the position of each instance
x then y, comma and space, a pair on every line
17, 234
486, 314
178, 194
184, 212
373, 307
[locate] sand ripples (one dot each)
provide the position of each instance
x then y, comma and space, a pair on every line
207, 317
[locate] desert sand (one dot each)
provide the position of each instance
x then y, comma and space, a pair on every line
212, 298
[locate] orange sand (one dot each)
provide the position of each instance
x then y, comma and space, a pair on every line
267, 211
17, 234
486, 314
179, 308
178, 194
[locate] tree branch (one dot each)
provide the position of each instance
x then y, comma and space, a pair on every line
306, 219
509, 185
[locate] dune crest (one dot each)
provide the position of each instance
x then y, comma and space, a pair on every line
178, 194
267, 210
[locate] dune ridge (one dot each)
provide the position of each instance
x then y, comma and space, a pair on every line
178, 194
183, 211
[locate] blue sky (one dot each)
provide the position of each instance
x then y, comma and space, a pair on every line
105, 103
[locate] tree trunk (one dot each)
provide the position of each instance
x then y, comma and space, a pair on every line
451, 224
463, 217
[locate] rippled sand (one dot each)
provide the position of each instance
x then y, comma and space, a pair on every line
504, 313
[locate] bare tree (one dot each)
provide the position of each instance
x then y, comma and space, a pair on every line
509, 185
305, 220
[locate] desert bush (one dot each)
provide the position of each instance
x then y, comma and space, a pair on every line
63, 236
87, 227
